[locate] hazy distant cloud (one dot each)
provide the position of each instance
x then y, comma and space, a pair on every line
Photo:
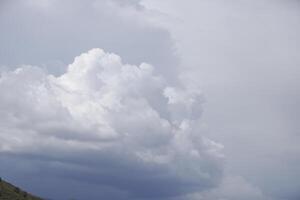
114, 124
245, 54
235, 188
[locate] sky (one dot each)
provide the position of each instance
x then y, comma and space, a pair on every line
150, 99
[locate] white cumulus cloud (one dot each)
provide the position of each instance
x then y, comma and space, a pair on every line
116, 124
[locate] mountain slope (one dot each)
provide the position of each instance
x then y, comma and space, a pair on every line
11, 192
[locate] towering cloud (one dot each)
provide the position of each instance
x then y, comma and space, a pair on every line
114, 124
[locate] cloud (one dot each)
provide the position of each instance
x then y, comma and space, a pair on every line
231, 187
244, 54
108, 123
49, 33
77, 130
235, 188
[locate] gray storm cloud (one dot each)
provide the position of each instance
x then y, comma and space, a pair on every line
49, 33
117, 124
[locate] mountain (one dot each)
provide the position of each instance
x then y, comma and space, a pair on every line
11, 192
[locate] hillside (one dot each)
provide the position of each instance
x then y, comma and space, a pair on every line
11, 192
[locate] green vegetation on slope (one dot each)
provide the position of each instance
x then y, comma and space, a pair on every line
11, 192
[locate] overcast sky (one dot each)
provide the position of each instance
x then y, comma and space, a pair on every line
151, 99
